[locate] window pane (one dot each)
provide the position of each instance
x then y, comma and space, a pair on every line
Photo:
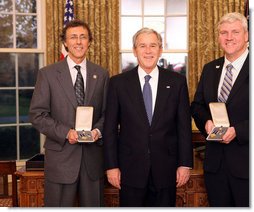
176, 33
129, 61
26, 26
28, 66
5, 5
7, 70
26, 6
29, 142
128, 32
152, 7
131, 7
7, 107
156, 23
6, 35
176, 7
24, 103
174, 61
8, 145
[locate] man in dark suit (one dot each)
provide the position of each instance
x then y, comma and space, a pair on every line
226, 163
71, 167
151, 153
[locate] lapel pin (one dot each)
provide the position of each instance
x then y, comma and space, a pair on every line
167, 86
95, 76
217, 66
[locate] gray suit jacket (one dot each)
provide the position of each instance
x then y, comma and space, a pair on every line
52, 112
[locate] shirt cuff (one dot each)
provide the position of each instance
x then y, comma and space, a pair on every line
185, 167
99, 132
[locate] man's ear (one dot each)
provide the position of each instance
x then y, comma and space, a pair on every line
134, 52
65, 46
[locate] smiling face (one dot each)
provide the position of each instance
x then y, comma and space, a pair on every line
77, 42
147, 50
233, 39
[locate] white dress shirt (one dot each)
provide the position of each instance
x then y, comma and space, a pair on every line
237, 65
73, 71
153, 82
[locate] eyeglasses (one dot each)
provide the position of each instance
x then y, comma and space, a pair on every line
81, 37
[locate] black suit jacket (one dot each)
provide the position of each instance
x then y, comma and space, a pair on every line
236, 153
136, 148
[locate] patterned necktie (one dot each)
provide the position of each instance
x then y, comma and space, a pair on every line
147, 95
227, 84
79, 87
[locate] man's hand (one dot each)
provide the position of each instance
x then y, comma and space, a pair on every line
182, 176
95, 134
72, 136
229, 135
209, 125
114, 177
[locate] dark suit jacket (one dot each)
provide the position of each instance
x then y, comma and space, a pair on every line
236, 153
52, 112
138, 147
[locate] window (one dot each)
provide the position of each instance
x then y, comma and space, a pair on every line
168, 17
21, 55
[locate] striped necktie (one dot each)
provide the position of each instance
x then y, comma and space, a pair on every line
79, 87
227, 84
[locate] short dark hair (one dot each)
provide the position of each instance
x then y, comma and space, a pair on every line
76, 23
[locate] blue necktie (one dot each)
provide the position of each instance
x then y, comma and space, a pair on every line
147, 95
227, 84
79, 87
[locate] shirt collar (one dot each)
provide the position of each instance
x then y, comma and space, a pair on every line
238, 63
154, 73
71, 63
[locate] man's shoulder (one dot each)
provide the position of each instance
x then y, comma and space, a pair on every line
216, 62
166, 73
96, 66
55, 65
125, 75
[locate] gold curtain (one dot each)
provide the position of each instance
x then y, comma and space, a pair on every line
103, 19
203, 47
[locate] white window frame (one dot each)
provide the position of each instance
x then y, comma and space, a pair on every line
41, 49
122, 51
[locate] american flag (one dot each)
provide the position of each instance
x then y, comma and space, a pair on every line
68, 16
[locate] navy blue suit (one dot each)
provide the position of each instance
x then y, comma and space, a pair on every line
139, 149
234, 157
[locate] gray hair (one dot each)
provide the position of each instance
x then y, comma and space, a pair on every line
232, 17
146, 31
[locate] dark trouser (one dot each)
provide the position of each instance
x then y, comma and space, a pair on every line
148, 196
225, 190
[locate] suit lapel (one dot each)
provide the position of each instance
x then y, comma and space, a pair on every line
218, 67
244, 73
163, 90
64, 78
91, 81
135, 94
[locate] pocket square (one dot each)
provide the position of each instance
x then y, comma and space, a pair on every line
168, 86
